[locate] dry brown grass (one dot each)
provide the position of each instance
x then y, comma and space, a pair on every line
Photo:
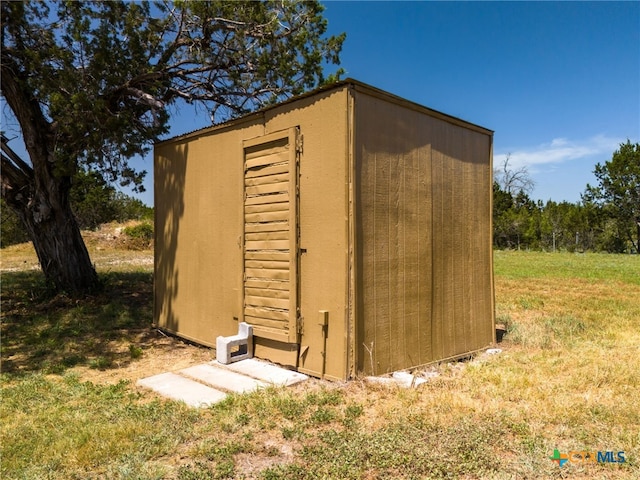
567, 378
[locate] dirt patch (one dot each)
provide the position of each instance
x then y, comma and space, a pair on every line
159, 353
103, 338
270, 452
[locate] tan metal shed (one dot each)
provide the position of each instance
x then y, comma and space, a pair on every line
350, 227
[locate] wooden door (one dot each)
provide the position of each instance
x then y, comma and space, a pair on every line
270, 292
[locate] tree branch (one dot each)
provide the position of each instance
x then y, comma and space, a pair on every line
15, 183
15, 158
143, 97
12, 175
33, 124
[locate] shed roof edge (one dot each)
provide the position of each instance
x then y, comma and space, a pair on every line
377, 92
349, 82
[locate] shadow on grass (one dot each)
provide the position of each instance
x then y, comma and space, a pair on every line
51, 333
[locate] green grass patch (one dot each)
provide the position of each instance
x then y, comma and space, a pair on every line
49, 334
588, 266
407, 449
61, 427
567, 379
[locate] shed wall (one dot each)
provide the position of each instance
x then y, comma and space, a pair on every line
198, 210
424, 261
323, 224
199, 199
394, 221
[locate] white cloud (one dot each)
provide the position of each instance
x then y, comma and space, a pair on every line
560, 150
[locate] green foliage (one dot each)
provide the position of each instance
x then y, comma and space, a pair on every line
138, 237
91, 85
91, 198
515, 220
135, 351
618, 193
12, 231
94, 202
105, 72
142, 231
606, 220
130, 208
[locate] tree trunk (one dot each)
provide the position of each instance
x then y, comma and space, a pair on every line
57, 240
62, 253
39, 193
52, 227
40, 198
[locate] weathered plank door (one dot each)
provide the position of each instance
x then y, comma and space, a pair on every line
271, 235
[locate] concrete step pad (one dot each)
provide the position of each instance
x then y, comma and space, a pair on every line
266, 372
183, 389
208, 383
222, 378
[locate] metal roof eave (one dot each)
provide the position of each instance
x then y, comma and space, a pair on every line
357, 85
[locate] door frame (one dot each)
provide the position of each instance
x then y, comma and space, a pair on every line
293, 334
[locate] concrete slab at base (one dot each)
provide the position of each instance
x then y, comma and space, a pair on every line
183, 389
402, 379
208, 383
222, 378
266, 372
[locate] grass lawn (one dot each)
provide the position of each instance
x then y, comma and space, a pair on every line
568, 379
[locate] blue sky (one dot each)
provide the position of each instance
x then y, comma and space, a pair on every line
558, 82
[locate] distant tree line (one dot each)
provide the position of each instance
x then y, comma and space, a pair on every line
93, 201
521, 223
607, 219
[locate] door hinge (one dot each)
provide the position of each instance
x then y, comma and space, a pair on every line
299, 324
299, 140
